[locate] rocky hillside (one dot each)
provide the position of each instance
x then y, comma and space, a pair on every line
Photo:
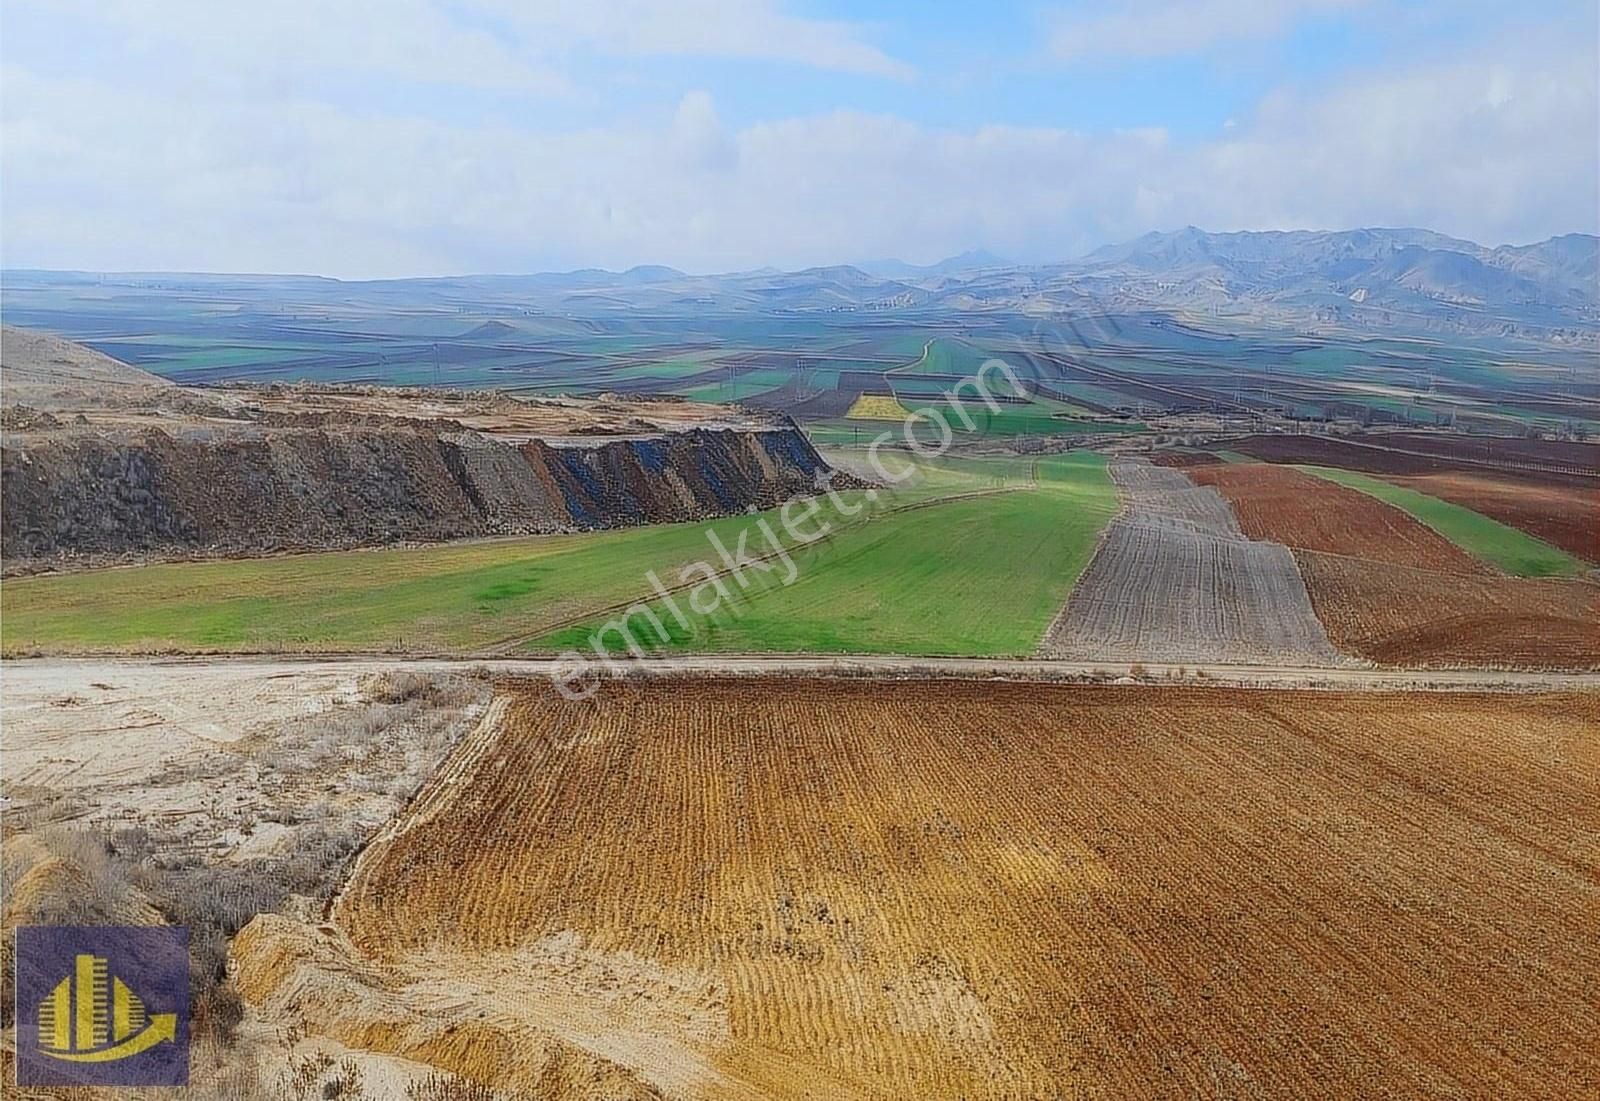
91, 494
134, 469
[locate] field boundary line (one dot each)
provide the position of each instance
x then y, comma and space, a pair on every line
432, 797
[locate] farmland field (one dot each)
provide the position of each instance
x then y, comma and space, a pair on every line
1175, 580
1564, 515
1005, 561
1515, 552
946, 889
449, 596
877, 407
862, 589
1303, 512
1390, 589
1398, 615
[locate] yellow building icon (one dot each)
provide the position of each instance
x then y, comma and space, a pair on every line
93, 1017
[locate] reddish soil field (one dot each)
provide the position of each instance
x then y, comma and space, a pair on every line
1184, 458
958, 889
1566, 516
1397, 615
1568, 453
1305, 512
1398, 454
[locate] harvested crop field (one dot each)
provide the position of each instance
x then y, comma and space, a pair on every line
942, 889
1175, 580
1400, 616
1304, 512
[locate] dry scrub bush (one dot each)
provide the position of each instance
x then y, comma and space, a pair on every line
310, 1077
450, 1087
407, 731
398, 686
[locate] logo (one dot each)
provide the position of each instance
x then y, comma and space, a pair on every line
102, 1005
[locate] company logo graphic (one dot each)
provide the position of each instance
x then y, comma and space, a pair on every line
102, 1005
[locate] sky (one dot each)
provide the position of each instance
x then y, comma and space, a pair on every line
387, 138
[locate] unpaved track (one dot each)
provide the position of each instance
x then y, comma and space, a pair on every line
1174, 580
223, 688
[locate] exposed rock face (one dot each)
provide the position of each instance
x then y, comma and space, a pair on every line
72, 494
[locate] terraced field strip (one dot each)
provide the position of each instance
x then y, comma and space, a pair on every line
968, 889
1512, 551
1175, 580
978, 574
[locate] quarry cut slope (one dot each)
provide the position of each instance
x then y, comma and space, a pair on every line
99, 494
1175, 580
102, 462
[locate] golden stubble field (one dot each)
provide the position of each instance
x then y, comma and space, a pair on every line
960, 889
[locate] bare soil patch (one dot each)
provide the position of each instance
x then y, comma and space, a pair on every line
1417, 618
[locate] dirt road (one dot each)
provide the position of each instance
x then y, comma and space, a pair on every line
206, 688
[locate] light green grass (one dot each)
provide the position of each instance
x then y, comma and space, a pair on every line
460, 596
455, 597
1512, 551
974, 576
945, 356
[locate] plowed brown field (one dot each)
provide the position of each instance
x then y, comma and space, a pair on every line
1303, 512
1401, 616
1390, 589
1175, 580
961, 889
1567, 516
1542, 461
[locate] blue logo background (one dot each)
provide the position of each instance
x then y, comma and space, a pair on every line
152, 964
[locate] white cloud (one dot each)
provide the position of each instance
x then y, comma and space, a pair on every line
750, 29
103, 175
1168, 28
514, 45
210, 44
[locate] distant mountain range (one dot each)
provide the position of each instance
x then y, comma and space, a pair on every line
974, 260
1410, 280
1370, 263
